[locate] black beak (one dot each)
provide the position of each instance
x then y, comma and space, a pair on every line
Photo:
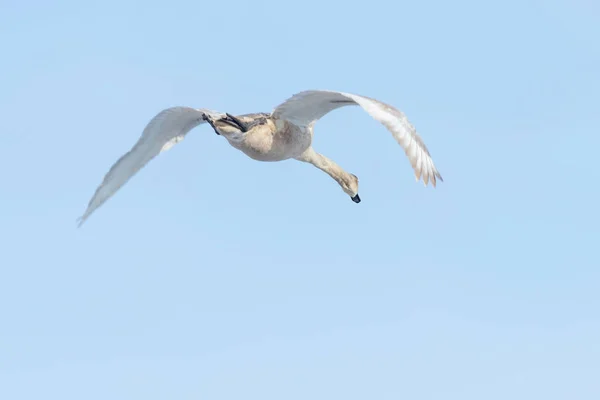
208, 119
243, 127
356, 198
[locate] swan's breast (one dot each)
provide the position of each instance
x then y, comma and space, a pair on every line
274, 141
294, 139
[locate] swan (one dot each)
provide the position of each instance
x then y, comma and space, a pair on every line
285, 133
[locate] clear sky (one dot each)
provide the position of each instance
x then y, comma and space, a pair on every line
213, 276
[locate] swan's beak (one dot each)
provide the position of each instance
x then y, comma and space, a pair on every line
356, 198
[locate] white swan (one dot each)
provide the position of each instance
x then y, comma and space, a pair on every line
285, 133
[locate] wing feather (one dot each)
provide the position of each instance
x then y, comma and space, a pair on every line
307, 107
165, 130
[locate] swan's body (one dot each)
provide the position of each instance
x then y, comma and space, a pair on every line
286, 133
269, 139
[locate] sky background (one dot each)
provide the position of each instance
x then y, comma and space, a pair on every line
213, 276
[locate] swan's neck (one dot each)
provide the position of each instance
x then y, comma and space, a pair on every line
343, 178
325, 164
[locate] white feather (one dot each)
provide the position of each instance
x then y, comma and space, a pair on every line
166, 129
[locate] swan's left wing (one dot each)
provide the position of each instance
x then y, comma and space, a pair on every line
166, 129
307, 107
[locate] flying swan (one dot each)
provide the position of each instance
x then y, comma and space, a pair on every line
285, 133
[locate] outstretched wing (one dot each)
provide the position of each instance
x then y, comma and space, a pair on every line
166, 129
306, 108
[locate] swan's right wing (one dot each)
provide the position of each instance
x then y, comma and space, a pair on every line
166, 129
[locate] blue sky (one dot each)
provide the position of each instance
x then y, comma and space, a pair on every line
212, 276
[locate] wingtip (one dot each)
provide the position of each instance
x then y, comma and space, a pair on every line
434, 179
439, 177
80, 221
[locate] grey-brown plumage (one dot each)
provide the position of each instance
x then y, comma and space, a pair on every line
285, 133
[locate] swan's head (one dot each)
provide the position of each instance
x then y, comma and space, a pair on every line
349, 184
